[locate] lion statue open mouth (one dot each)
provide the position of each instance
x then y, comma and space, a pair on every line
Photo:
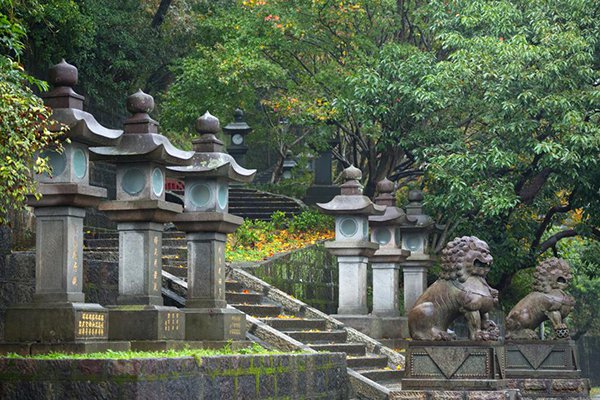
548, 301
460, 290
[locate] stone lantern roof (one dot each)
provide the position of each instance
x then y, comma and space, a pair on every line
141, 141
67, 109
238, 125
209, 160
393, 215
351, 200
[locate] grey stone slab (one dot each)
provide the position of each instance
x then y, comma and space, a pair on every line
146, 322
214, 324
206, 270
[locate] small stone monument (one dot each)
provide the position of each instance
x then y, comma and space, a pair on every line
140, 211
544, 368
59, 319
415, 231
322, 189
385, 231
434, 359
206, 223
353, 249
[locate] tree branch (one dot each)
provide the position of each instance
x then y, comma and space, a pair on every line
548, 218
554, 239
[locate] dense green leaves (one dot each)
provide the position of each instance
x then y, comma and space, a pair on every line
23, 122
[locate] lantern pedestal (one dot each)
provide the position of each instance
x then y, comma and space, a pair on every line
353, 257
415, 280
206, 314
140, 303
386, 281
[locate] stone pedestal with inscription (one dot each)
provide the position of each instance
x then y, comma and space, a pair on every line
140, 211
453, 365
58, 318
206, 222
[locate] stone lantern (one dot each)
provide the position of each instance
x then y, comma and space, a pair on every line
288, 165
385, 261
206, 222
140, 211
58, 313
238, 129
352, 248
415, 234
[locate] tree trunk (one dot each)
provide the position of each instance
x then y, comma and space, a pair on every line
159, 17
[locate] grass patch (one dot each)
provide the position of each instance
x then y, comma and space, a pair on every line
595, 391
126, 355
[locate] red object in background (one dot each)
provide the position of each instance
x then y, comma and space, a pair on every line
174, 185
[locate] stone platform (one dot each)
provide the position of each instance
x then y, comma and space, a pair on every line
506, 394
455, 365
541, 359
545, 369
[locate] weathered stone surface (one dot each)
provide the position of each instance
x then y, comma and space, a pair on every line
455, 365
551, 388
146, 323
214, 324
179, 378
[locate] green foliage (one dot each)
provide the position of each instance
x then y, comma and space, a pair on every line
24, 122
583, 255
311, 220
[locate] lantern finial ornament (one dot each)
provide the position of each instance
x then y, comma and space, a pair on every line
140, 102
63, 74
208, 126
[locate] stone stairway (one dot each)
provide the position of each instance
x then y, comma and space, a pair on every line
255, 204
375, 370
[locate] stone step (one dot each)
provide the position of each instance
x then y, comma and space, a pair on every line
178, 271
243, 298
232, 285
381, 374
315, 336
114, 243
396, 344
265, 205
295, 323
394, 386
369, 361
259, 310
115, 235
357, 349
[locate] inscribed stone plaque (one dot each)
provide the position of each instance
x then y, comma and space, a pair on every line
91, 325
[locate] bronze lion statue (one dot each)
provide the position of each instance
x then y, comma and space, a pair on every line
460, 290
548, 301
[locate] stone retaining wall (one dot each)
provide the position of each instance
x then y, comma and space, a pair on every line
289, 376
551, 389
